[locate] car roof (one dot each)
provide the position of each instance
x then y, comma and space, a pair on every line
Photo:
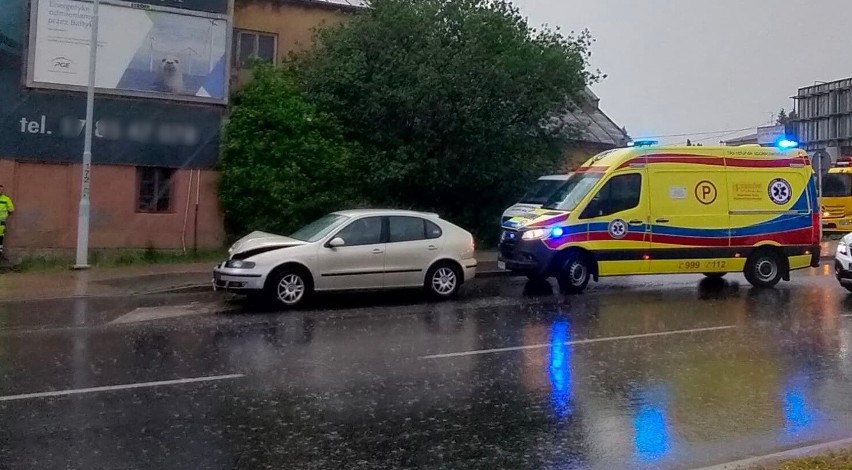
555, 177
363, 212
612, 160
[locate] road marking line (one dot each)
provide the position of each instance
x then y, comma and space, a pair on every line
579, 341
847, 315
784, 455
110, 388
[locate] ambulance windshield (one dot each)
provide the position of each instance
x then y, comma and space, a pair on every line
573, 191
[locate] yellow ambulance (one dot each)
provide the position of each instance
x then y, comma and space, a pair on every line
662, 210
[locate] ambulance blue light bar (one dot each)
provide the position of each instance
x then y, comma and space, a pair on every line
643, 143
787, 144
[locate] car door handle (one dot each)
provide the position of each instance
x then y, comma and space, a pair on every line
662, 221
378, 251
431, 247
636, 222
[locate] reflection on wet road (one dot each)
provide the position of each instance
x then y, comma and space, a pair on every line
639, 373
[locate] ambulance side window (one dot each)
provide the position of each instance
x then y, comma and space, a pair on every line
619, 194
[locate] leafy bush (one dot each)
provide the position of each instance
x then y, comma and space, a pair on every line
284, 163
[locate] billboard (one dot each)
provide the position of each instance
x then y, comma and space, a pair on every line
770, 135
143, 50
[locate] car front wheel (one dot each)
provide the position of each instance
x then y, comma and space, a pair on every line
289, 288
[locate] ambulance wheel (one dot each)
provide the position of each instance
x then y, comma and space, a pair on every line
763, 269
575, 275
714, 275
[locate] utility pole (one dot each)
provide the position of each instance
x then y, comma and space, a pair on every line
85, 202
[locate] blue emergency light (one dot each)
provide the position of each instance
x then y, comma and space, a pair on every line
557, 232
787, 144
643, 143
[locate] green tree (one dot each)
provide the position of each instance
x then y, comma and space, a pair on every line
284, 162
456, 103
782, 118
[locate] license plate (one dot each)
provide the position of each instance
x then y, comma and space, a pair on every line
501, 265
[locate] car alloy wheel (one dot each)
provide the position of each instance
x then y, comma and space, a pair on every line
444, 281
291, 289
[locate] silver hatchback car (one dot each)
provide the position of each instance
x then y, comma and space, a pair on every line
352, 250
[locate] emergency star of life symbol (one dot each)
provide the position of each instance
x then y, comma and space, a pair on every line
780, 191
618, 229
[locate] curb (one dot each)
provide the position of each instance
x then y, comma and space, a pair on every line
492, 274
778, 457
488, 274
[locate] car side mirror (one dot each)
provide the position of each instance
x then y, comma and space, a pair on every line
336, 242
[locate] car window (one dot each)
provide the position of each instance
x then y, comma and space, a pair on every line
433, 231
541, 191
618, 194
318, 229
366, 231
406, 229
573, 191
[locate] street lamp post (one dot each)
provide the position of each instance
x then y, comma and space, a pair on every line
85, 202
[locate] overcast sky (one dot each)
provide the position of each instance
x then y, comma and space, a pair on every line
684, 66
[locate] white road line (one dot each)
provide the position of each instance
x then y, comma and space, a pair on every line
109, 388
769, 459
847, 315
579, 341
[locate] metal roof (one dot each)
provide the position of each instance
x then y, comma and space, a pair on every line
596, 126
345, 3
747, 139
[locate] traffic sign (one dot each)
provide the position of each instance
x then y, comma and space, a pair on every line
821, 162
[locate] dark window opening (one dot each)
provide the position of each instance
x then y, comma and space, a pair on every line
433, 231
250, 45
406, 229
837, 185
154, 192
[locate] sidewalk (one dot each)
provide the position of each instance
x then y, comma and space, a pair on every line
135, 280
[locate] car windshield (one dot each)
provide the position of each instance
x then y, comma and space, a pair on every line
541, 191
837, 185
318, 229
573, 191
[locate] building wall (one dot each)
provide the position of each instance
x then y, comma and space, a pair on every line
293, 22
825, 116
579, 153
46, 197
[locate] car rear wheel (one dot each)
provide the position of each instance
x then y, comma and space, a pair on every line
763, 269
575, 275
290, 288
443, 281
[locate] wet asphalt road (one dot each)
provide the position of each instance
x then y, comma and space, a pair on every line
662, 372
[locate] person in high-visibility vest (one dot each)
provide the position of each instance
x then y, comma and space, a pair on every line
6, 209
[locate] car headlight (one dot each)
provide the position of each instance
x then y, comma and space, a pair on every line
239, 264
842, 248
534, 234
